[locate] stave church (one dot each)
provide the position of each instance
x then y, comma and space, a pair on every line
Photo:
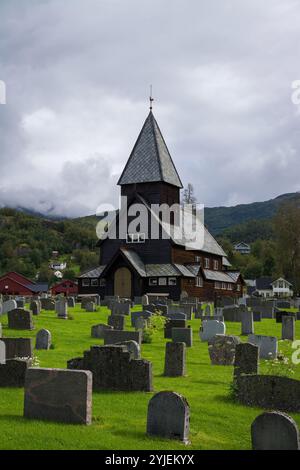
133, 264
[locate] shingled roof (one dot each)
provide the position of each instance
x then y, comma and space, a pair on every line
150, 159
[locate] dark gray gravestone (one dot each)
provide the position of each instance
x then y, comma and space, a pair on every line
2, 352
18, 347
183, 335
288, 328
13, 372
20, 319
114, 369
120, 308
136, 315
170, 324
133, 348
274, 431
58, 395
43, 339
256, 316
221, 350
71, 302
117, 322
247, 323
175, 360
117, 336
246, 359
97, 331
35, 307
90, 307
169, 416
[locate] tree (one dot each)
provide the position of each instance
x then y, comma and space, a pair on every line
188, 195
287, 232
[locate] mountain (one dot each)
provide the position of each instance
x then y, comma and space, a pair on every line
218, 219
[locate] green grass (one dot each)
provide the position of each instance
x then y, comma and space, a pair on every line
119, 419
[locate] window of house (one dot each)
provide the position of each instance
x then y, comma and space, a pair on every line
162, 281
207, 263
94, 282
217, 285
224, 285
172, 281
229, 286
136, 238
198, 259
85, 282
238, 287
199, 281
102, 282
216, 265
153, 281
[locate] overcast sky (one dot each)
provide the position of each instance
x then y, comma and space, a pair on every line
78, 75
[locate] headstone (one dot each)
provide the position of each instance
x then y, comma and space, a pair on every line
2, 352
175, 360
169, 416
35, 307
209, 329
170, 324
118, 336
90, 307
283, 304
0, 330
97, 331
176, 316
20, 319
43, 339
20, 302
141, 324
18, 348
114, 369
247, 323
8, 306
136, 315
274, 431
256, 316
232, 314
268, 345
288, 328
48, 304
183, 335
133, 348
61, 308
246, 359
280, 314
117, 322
266, 310
120, 308
145, 300
71, 302
13, 372
58, 395
221, 350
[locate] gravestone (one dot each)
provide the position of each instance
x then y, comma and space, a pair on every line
114, 369
169, 416
246, 359
61, 308
268, 345
170, 324
20, 302
118, 336
2, 352
256, 316
288, 328
266, 310
133, 348
120, 308
221, 350
209, 329
280, 314
85, 301
213, 317
48, 304
183, 335
18, 347
274, 431
136, 315
13, 372
58, 395
71, 302
145, 300
232, 314
283, 304
176, 316
0, 330
35, 307
90, 307
141, 324
43, 339
175, 360
8, 306
117, 322
20, 319
247, 323
97, 331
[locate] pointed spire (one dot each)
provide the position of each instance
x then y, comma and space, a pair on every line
150, 159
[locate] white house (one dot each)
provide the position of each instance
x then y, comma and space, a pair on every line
242, 248
282, 288
266, 287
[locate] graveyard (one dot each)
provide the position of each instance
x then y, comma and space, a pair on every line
119, 418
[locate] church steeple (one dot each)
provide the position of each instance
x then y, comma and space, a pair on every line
150, 160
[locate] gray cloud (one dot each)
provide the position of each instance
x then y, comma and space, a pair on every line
77, 75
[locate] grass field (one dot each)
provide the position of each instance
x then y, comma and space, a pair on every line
119, 419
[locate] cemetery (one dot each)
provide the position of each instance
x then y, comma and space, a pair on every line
77, 378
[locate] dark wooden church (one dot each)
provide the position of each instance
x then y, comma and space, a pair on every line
135, 264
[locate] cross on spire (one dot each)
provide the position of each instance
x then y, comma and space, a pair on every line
151, 99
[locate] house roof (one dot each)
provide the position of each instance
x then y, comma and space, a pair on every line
264, 283
281, 279
95, 272
220, 276
225, 262
150, 159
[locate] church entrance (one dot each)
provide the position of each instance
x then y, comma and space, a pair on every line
122, 283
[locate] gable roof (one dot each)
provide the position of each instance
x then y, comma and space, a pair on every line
150, 159
264, 283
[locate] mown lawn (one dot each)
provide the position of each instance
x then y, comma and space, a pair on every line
119, 419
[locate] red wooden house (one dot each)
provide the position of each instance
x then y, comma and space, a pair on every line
65, 287
13, 283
